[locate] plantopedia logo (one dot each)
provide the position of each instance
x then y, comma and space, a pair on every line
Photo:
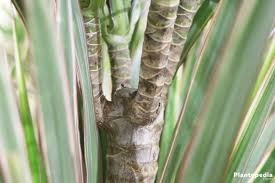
265, 175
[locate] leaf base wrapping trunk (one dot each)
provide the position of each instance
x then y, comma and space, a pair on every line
133, 148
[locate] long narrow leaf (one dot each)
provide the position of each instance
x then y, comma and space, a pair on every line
107, 78
176, 98
212, 58
66, 35
269, 59
18, 4
268, 168
60, 140
91, 143
213, 139
253, 124
13, 158
34, 156
263, 146
136, 43
198, 83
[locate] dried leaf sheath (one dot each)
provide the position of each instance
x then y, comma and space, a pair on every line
185, 14
93, 44
158, 36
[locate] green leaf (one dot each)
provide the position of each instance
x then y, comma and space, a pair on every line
225, 70
113, 22
34, 156
91, 143
225, 102
200, 76
260, 151
57, 125
268, 61
66, 33
65, 27
136, 42
92, 4
253, 124
268, 166
107, 80
176, 98
13, 157
19, 5
120, 20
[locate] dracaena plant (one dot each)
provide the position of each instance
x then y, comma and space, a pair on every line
137, 91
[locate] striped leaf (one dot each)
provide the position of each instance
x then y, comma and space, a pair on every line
91, 144
13, 158
57, 126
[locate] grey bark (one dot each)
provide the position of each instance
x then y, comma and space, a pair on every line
185, 14
157, 39
133, 148
120, 62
